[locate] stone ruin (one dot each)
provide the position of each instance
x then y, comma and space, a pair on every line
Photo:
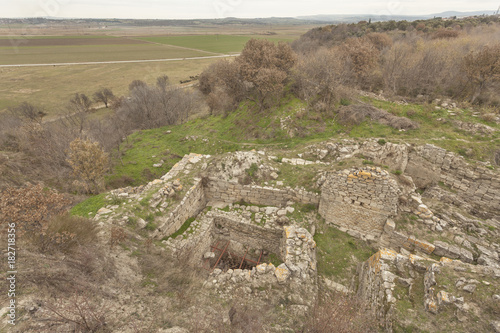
234, 239
359, 200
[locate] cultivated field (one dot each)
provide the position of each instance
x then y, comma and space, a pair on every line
52, 86
211, 43
75, 52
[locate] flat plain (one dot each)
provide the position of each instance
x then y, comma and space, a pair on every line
52, 86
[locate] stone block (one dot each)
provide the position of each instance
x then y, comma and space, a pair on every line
441, 249
466, 256
282, 273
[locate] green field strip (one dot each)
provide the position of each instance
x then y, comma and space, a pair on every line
210, 43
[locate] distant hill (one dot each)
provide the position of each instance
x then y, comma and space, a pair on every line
167, 22
348, 18
299, 20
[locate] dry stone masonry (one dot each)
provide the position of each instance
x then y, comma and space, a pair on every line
256, 221
359, 200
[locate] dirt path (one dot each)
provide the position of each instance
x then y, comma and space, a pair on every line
118, 62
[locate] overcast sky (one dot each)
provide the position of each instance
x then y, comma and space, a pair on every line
162, 9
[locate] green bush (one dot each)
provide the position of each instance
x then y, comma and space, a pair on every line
252, 170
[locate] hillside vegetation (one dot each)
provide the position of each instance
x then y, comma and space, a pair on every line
86, 193
440, 74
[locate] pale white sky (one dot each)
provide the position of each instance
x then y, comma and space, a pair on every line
164, 9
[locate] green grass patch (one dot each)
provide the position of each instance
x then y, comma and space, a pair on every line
182, 229
90, 206
274, 259
436, 127
300, 175
338, 253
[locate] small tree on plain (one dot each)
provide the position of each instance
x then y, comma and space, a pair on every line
162, 82
89, 163
80, 103
136, 84
28, 112
104, 95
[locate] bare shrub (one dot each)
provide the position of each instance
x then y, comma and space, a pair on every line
321, 78
80, 313
28, 112
117, 236
482, 68
414, 66
136, 84
89, 163
30, 208
341, 314
445, 33
357, 113
45, 144
80, 103
65, 232
153, 107
223, 86
162, 82
265, 66
10, 125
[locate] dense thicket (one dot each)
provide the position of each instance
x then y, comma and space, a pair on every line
434, 58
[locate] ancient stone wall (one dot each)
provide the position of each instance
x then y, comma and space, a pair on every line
228, 227
477, 184
359, 201
220, 190
429, 164
376, 283
193, 202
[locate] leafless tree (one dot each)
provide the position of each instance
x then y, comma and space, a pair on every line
80, 103
104, 95
28, 112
